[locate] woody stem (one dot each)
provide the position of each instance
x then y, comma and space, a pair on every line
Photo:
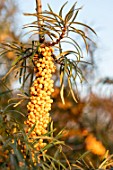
39, 11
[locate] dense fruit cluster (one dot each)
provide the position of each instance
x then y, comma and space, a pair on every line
94, 145
40, 100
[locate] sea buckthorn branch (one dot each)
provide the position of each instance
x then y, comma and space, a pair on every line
40, 100
60, 37
43, 59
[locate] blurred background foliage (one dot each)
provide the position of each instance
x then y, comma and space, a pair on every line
88, 122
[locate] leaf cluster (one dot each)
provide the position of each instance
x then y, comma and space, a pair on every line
53, 25
16, 151
23, 63
61, 31
84, 162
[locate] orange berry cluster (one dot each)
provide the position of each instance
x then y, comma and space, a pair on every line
94, 145
40, 100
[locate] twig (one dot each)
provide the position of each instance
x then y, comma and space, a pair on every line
40, 24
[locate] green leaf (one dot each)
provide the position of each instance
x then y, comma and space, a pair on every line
57, 17
79, 23
62, 94
26, 79
21, 70
24, 75
3, 52
5, 92
69, 14
74, 18
10, 46
13, 160
74, 46
77, 46
62, 84
77, 167
65, 53
51, 34
52, 159
60, 12
32, 128
82, 34
51, 129
11, 69
2, 83
16, 111
49, 26
70, 70
16, 60
106, 162
47, 18
16, 151
71, 90
31, 79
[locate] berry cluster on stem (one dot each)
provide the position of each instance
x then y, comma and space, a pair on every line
40, 100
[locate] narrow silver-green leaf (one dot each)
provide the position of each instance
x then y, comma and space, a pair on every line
62, 84
71, 90
70, 13
79, 23
60, 12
